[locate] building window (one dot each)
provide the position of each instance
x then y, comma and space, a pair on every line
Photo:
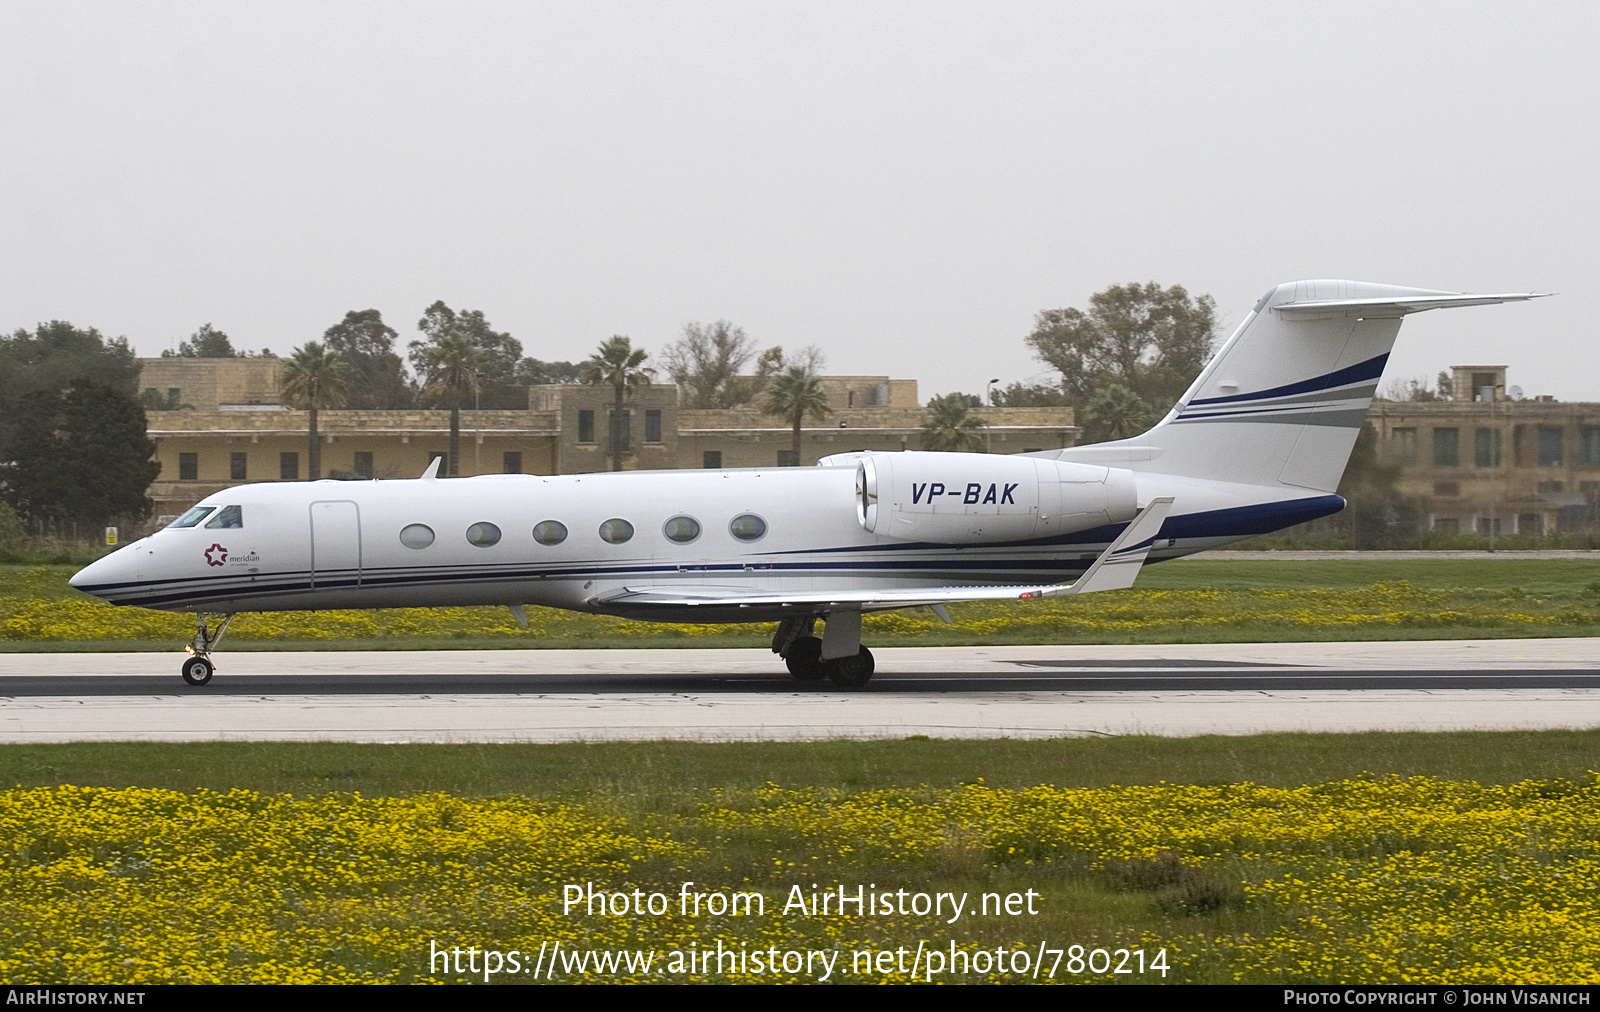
237, 470
586, 426
1447, 525
188, 467
288, 467
652, 426
1546, 487
1590, 447
1571, 519
174, 398
1487, 448
711, 459
622, 430
1446, 447
1491, 525
1447, 489
788, 458
511, 462
362, 464
1550, 445
1530, 523
1403, 446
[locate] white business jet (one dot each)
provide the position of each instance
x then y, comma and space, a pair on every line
1258, 443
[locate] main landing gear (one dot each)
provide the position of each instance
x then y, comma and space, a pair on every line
197, 668
805, 654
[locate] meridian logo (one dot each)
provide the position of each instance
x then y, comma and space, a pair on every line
220, 553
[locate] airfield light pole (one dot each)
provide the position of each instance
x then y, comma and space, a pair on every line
988, 437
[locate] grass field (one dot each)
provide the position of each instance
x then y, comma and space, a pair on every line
1467, 858
1179, 602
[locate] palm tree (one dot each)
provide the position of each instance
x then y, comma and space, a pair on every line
1116, 412
794, 393
314, 377
951, 425
618, 364
452, 362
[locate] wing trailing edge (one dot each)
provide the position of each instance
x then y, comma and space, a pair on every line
1116, 568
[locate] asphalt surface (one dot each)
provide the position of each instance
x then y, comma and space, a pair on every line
1049, 675
714, 695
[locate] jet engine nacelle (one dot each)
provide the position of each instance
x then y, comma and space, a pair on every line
976, 498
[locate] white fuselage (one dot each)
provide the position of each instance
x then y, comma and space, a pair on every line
338, 544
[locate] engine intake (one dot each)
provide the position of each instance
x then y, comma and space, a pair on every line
975, 498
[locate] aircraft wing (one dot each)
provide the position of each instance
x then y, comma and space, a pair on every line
1115, 569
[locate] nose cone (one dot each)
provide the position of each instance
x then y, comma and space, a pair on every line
104, 577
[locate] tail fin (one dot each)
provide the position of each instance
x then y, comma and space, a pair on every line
1282, 401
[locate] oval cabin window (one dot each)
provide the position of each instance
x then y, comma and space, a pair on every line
483, 534
549, 532
616, 531
748, 527
681, 529
416, 535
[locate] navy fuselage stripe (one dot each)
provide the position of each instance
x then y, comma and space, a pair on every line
1371, 369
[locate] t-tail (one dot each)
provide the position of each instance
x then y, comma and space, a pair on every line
1282, 401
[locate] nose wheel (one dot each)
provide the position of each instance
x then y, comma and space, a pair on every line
198, 671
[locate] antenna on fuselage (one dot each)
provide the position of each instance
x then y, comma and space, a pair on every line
432, 472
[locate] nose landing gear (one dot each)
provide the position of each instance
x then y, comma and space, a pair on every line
197, 668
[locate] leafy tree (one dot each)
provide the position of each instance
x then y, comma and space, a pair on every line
1376, 515
1151, 340
314, 378
1029, 395
498, 386
951, 424
79, 454
796, 392
452, 362
1417, 389
1115, 412
52, 356
209, 342
366, 346
13, 533
532, 373
706, 361
619, 365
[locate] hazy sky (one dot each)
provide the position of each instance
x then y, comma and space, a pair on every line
904, 185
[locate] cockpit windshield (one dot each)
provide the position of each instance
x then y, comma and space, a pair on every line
193, 517
228, 516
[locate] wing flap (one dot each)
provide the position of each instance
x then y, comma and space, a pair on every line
1114, 569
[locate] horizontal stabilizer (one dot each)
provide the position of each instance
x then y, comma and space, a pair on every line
1395, 307
1115, 569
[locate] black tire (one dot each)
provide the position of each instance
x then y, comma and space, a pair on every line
804, 659
851, 672
197, 671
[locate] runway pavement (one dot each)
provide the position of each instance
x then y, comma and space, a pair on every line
1035, 691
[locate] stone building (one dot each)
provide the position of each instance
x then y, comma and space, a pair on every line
225, 426
1483, 462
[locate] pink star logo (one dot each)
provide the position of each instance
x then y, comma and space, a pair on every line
220, 555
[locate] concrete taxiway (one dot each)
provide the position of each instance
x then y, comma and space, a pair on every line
710, 695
